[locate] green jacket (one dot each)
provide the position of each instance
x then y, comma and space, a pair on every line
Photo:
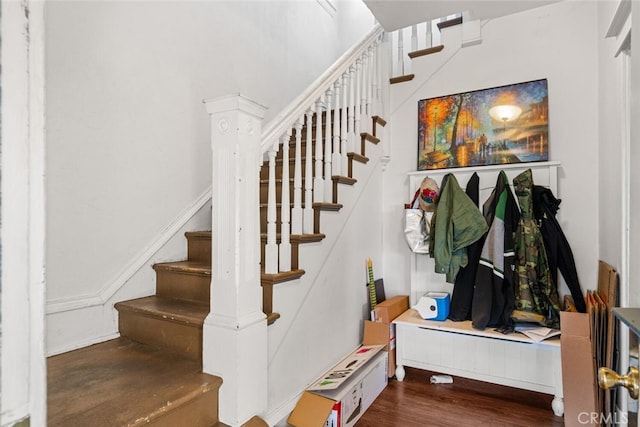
457, 223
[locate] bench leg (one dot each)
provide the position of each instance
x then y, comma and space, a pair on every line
400, 372
558, 406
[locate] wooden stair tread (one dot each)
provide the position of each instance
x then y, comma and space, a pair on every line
358, 157
449, 23
379, 120
368, 137
427, 51
272, 317
187, 267
400, 79
341, 179
325, 206
307, 238
120, 382
199, 234
170, 309
297, 238
274, 279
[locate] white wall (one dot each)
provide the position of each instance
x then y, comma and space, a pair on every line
556, 42
322, 313
127, 135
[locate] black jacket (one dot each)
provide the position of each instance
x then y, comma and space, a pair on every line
559, 254
493, 295
462, 295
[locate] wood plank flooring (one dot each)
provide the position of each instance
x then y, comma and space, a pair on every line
416, 402
123, 383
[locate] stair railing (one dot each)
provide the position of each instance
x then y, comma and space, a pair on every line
352, 90
413, 38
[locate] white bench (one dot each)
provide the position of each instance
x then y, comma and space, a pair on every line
455, 348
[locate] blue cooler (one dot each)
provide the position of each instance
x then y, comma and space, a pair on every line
434, 306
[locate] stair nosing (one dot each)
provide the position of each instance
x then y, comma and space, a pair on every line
326, 206
449, 23
165, 313
281, 277
400, 79
358, 157
204, 234
379, 120
298, 238
341, 179
427, 51
369, 137
184, 267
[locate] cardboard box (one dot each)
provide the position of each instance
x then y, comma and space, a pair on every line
579, 384
343, 405
386, 312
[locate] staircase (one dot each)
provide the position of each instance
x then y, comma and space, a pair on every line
157, 361
153, 373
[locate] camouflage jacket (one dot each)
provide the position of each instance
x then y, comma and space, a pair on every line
536, 293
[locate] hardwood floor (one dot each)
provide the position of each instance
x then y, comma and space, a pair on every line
417, 402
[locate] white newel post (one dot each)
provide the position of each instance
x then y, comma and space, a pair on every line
235, 331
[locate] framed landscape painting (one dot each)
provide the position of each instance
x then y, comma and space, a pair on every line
506, 124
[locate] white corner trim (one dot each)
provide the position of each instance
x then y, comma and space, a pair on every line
109, 290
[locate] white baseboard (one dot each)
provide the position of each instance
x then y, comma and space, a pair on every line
278, 417
84, 343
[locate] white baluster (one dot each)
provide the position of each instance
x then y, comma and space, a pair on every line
379, 79
328, 183
318, 181
350, 112
336, 158
344, 166
414, 38
271, 248
365, 123
296, 211
307, 217
285, 208
357, 116
400, 68
435, 31
374, 79
428, 36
